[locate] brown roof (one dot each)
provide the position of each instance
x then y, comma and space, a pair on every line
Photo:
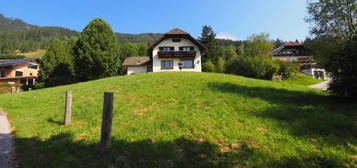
136, 61
180, 34
176, 31
290, 43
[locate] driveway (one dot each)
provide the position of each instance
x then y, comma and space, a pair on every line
6, 143
321, 86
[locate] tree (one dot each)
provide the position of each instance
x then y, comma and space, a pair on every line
334, 31
254, 59
57, 64
259, 46
278, 43
208, 38
96, 52
331, 18
127, 49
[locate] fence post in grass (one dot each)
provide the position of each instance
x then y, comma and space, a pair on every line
106, 133
68, 108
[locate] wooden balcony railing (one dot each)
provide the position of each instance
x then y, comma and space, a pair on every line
177, 54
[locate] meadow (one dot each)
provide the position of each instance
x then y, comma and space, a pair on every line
186, 119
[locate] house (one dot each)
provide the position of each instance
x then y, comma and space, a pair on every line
294, 51
176, 50
20, 71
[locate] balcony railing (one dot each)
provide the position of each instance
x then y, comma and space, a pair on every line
177, 54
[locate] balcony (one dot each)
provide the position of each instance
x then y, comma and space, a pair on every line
177, 54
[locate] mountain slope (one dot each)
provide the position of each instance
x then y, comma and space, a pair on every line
13, 24
185, 119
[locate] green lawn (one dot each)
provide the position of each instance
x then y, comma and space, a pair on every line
186, 120
302, 79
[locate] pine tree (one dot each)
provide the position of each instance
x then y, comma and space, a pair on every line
96, 52
208, 38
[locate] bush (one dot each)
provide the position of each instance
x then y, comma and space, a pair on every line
253, 67
209, 66
343, 65
286, 69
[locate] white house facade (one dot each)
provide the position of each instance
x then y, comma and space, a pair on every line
176, 50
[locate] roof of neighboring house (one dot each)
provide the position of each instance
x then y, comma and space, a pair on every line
136, 61
17, 62
289, 44
179, 34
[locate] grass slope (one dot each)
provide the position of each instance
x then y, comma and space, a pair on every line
38, 53
186, 120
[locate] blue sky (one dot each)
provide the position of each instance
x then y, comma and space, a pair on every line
236, 19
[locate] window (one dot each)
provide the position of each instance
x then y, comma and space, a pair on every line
187, 63
176, 40
187, 48
167, 64
166, 48
32, 66
19, 73
2, 74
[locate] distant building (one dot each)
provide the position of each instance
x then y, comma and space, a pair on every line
293, 51
21, 71
176, 50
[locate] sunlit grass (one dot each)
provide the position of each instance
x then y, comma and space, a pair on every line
185, 120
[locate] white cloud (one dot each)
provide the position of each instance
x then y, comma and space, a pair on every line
227, 36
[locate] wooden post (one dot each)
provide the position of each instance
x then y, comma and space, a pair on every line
106, 139
68, 108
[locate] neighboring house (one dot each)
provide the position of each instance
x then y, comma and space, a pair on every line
176, 50
21, 71
293, 51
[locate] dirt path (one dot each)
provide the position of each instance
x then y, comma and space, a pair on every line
321, 86
6, 143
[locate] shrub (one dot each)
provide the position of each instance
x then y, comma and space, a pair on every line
209, 66
287, 69
343, 65
253, 67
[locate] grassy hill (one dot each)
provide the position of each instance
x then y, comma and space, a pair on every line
186, 120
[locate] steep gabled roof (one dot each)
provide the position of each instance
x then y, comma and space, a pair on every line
136, 61
17, 62
177, 33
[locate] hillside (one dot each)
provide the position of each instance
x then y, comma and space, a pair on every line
13, 24
185, 120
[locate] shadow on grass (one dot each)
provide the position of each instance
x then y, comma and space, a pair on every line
63, 151
303, 113
51, 120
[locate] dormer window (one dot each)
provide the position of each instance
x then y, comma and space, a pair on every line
187, 48
32, 66
175, 40
166, 48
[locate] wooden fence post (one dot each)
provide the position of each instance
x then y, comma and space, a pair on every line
68, 108
106, 133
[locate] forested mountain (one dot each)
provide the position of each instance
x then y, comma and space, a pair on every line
19, 36
138, 38
13, 24
26, 40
